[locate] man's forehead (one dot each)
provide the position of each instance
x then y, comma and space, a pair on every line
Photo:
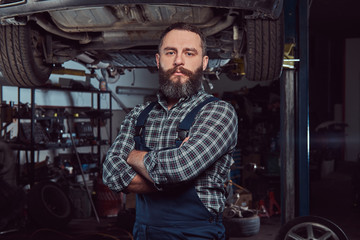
182, 37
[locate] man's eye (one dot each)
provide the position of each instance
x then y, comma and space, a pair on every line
190, 54
169, 53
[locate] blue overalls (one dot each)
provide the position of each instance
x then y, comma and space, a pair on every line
175, 213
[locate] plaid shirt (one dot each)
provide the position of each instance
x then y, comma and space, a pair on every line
205, 158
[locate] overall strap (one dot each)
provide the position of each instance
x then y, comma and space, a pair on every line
139, 137
183, 128
187, 122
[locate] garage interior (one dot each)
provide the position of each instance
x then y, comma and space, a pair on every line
321, 82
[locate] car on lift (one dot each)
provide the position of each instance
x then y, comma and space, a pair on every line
244, 37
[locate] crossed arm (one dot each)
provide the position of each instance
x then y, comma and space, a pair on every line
129, 170
142, 182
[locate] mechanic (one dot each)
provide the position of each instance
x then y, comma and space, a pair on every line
180, 187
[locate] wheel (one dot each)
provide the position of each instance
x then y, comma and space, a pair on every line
242, 226
49, 206
22, 56
310, 227
264, 48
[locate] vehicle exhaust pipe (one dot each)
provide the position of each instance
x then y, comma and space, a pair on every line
83, 38
221, 25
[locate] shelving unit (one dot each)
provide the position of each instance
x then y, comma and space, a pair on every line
63, 125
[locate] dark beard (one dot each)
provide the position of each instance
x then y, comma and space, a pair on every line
176, 89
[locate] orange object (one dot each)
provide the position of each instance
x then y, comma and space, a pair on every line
274, 207
262, 209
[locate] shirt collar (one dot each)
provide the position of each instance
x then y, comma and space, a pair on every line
183, 102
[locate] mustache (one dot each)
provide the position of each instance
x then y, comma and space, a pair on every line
179, 69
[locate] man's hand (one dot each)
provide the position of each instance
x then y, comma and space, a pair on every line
184, 141
136, 160
144, 182
140, 185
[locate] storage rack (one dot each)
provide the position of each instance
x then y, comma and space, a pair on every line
33, 146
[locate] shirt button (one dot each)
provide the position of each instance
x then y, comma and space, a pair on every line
211, 219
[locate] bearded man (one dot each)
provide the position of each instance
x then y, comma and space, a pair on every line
178, 175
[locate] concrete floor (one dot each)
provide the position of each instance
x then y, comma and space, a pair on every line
331, 197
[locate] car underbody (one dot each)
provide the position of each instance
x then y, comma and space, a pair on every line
38, 37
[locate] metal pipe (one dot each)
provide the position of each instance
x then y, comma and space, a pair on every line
222, 24
82, 174
83, 38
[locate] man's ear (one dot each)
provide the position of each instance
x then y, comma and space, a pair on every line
205, 62
157, 56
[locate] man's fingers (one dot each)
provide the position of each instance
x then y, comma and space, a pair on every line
185, 140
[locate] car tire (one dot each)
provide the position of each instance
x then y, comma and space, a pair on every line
264, 49
310, 227
49, 206
242, 226
22, 56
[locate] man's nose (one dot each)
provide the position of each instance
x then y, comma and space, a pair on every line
179, 60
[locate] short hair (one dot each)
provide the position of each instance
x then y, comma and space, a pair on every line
185, 27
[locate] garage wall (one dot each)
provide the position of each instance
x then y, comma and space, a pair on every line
136, 79
352, 98
227, 85
136, 85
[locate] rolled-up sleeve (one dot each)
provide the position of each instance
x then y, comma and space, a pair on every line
117, 173
213, 134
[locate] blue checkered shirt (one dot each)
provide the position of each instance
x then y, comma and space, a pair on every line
204, 159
